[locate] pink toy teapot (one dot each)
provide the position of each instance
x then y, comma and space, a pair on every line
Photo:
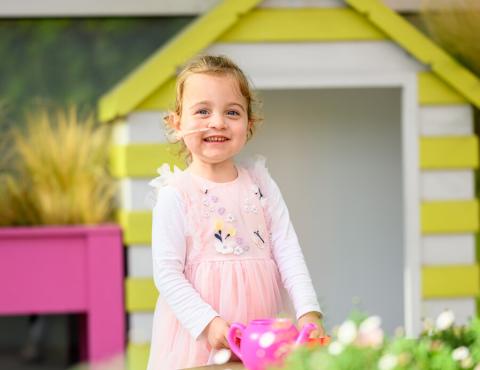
266, 342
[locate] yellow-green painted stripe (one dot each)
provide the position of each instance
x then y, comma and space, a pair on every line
162, 65
142, 160
449, 152
311, 24
450, 217
420, 47
450, 281
434, 91
162, 98
140, 294
137, 356
136, 226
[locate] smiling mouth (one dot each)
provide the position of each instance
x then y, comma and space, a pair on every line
216, 139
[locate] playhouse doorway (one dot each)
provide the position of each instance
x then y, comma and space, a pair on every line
337, 156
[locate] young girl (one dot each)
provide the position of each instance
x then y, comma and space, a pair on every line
223, 247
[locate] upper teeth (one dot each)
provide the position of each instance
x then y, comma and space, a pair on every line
216, 138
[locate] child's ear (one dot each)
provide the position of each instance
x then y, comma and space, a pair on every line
249, 125
174, 121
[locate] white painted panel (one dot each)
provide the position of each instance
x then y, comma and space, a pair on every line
136, 194
446, 120
146, 127
120, 133
463, 308
139, 261
302, 4
267, 63
448, 249
140, 331
447, 185
55, 8
34, 8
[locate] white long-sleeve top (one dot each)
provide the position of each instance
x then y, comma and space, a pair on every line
169, 256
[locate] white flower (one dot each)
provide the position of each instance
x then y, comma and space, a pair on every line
370, 324
460, 353
370, 334
221, 356
230, 218
347, 332
445, 320
387, 362
335, 348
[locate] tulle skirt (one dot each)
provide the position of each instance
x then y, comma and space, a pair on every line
239, 290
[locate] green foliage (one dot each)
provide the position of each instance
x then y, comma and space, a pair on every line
443, 347
455, 25
65, 61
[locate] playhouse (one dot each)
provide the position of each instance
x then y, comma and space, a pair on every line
368, 132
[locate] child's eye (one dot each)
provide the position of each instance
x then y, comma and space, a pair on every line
202, 111
233, 113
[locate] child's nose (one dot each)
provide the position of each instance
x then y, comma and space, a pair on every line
217, 121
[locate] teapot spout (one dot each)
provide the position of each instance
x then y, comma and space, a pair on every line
305, 333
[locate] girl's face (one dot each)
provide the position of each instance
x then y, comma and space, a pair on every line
215, 102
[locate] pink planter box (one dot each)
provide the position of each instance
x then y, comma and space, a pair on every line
76, 269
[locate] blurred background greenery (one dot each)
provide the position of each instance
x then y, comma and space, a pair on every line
72, 61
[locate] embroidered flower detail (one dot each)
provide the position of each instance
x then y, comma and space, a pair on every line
239, 240
223, 248
238, 250
212, 209
258, 239
248, 206
224, 242
221, 211
258, 193
230, 218
204, 190
205, 201
218, 225
214, 198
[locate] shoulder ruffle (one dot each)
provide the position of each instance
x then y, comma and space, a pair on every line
166, 177
256, 167
258, 171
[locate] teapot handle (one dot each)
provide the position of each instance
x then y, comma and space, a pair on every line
232, 336
305, 333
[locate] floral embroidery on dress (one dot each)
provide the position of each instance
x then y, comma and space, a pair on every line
259, 239
224, 242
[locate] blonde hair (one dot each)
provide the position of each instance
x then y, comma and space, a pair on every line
217, 65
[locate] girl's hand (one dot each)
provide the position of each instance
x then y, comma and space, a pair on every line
316, 318
217, 331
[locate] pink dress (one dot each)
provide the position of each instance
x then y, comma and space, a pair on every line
228, 261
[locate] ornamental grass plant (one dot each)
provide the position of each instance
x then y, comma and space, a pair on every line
359, 344
54, 171
455, 26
